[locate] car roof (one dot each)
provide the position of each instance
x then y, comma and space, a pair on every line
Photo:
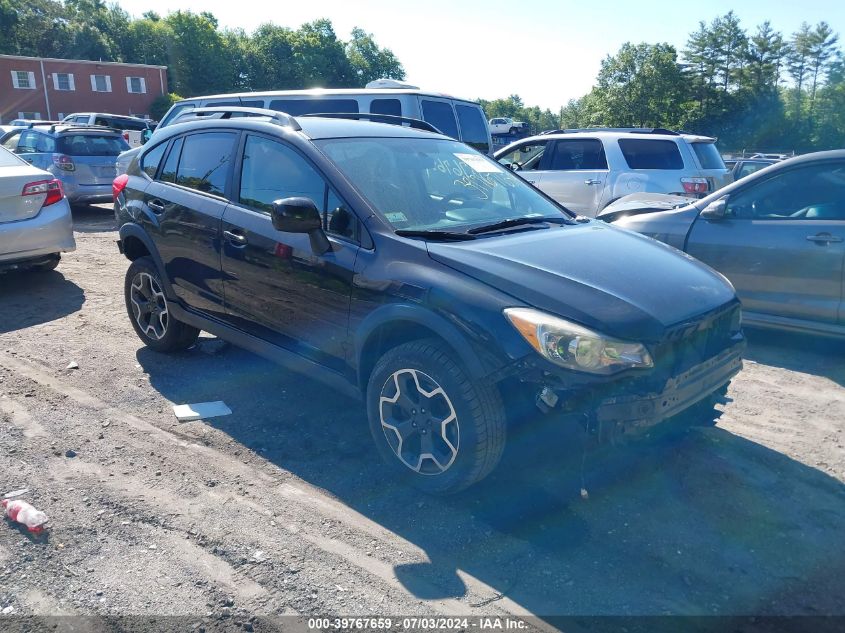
692, 138
314, 128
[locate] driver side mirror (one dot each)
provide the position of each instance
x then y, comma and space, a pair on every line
716, 210
300, 215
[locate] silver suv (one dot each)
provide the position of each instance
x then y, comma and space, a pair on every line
585, 170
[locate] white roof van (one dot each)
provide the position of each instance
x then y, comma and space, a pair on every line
461, 119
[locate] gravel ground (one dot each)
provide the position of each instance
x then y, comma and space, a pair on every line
280, 508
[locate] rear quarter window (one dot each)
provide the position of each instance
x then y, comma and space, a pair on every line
473, 127
651, 153
151, 159
91, 145
708, 156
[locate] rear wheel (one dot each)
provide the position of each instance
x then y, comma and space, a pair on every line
149, 312
514, 130
431, 422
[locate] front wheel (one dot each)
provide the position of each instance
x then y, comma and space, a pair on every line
431, 422
149, 312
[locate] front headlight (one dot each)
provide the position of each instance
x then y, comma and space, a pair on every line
575, 347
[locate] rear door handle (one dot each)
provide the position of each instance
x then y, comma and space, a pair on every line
824, 238
592, 182
156, 205
236, 239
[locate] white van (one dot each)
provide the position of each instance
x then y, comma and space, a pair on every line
461, 119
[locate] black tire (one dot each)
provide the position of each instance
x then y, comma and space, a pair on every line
514, 130
49, 265
160, 330
472, 444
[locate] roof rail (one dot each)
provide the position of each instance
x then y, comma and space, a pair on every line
32, 124
279, 118
85, 127
392, 119
625, 130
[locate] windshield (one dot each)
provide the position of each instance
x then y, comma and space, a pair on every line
434, 184
92, 145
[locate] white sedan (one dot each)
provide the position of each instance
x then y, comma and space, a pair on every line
35, 220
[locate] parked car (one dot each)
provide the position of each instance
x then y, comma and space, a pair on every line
458, 118
777, 235
404, 268
505, 125
585, 170
82, 157
136, 131
35, 221
742, 167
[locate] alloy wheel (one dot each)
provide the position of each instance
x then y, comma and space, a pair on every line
149, 305
419, 422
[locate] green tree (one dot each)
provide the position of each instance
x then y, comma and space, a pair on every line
370, 62
641, 86
199, 61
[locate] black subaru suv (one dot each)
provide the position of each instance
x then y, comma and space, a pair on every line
404, 268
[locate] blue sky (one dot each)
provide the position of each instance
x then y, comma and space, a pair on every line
545, 51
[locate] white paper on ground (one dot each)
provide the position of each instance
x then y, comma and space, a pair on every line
200, 410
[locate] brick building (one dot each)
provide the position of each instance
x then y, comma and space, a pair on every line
42, 88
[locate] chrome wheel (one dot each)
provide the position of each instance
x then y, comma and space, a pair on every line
149, 305
419, 422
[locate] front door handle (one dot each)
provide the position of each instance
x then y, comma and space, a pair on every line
824, 238
156, 205
592, 182
236, 239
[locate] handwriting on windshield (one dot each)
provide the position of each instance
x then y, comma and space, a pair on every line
466, 176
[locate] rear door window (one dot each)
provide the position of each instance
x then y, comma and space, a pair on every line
386, 106
91, 145
651, 153
168, 172
708, 156
441, 116
296, 107
473, 127
577, 154
205, 161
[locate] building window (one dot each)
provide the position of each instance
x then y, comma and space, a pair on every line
101, 83
63, 81
29, 116
23, 79
136, 85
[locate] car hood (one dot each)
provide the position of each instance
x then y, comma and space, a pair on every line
614, 281
645, 202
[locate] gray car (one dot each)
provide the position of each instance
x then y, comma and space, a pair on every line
777, 235
82, 157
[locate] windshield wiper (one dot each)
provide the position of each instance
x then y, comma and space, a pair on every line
506, 224
446, 236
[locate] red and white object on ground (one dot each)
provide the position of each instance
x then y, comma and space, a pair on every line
20, 511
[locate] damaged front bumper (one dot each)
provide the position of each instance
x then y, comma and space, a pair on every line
629, 405
680, 392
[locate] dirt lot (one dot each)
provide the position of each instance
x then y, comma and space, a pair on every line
280, 507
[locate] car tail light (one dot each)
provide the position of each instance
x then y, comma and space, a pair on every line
695, 185
63, 162
126, 136
118, 185
53, 189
